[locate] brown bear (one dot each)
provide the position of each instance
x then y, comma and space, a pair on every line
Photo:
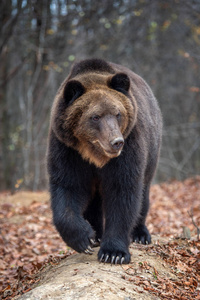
104, 142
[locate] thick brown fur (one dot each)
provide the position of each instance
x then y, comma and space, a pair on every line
97, 96
104, 142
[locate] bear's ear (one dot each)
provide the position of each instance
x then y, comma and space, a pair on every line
120, 82
72, 91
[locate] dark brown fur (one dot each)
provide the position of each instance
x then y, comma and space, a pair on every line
105, 136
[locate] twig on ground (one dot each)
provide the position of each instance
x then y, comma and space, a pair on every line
190, 213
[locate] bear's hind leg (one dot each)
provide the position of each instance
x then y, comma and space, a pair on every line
94, 216
140, 233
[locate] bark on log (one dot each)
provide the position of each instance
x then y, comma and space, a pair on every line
82, 277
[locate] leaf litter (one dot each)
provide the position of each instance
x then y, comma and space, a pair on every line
29, 241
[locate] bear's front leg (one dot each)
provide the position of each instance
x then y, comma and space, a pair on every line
67, 216
114, 247
122, 200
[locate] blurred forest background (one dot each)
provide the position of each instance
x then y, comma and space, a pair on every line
41, 39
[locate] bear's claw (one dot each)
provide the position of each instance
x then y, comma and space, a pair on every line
106, 259
89, 250
101, 258
114, 260
92, 242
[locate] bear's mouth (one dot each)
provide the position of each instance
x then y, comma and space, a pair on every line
109, 153
112, 154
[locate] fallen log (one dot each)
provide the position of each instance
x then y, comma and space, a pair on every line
82, 277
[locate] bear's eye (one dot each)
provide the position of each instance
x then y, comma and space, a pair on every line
118, 116
95, 118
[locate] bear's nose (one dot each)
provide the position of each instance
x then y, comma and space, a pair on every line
117, 143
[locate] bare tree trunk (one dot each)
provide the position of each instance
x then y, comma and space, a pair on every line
31, 152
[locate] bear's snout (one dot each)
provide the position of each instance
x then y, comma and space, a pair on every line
117, 143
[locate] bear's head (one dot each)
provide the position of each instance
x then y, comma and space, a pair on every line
94, 113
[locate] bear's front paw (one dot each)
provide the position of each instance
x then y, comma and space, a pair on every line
114, 255
141, 235
82, 239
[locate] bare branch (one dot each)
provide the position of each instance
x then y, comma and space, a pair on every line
13, 72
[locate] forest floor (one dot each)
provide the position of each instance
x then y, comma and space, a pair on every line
29, 243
